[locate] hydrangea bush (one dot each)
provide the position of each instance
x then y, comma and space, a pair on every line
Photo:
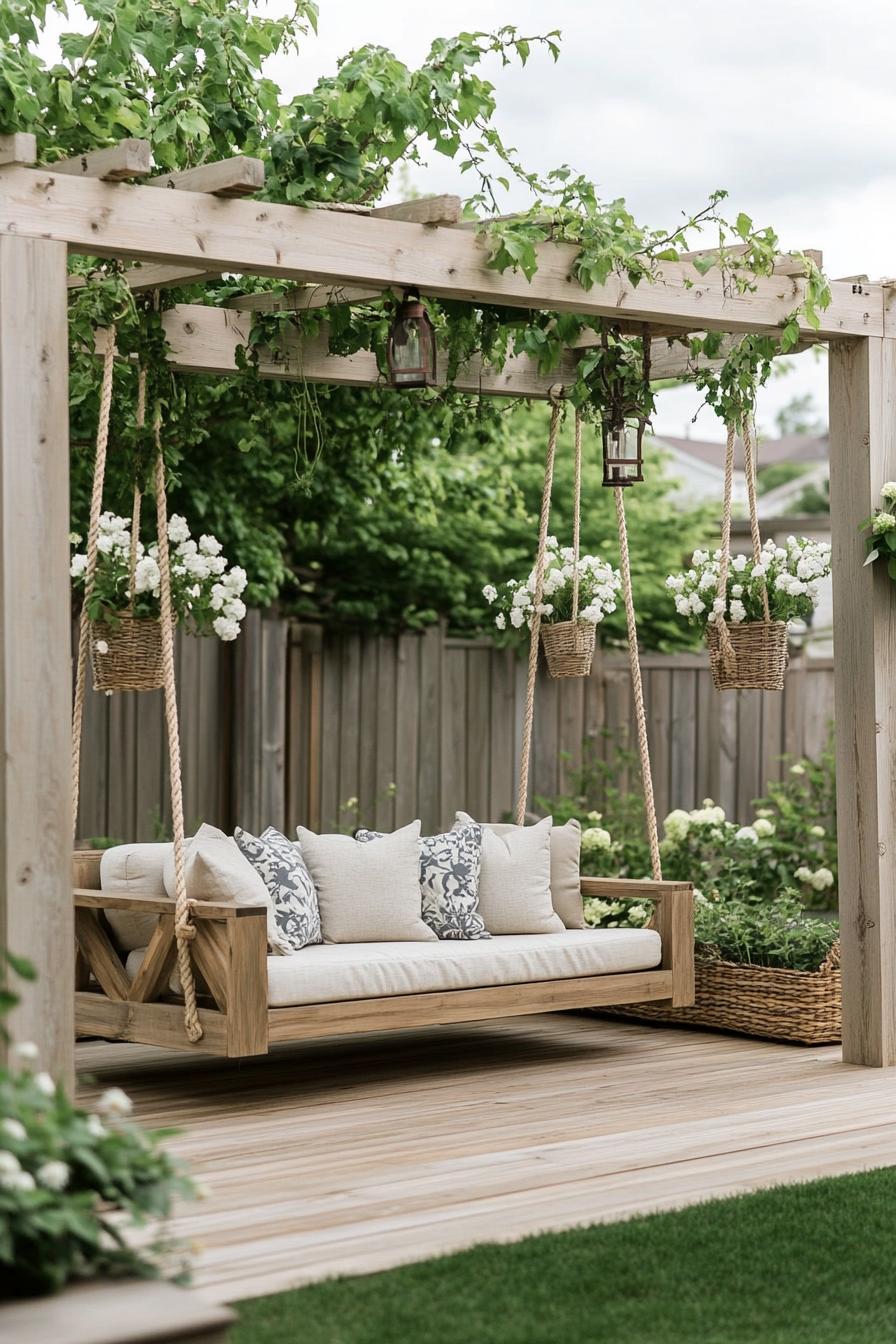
76, 1184
205, 589
882, 538
599, 587
789, 573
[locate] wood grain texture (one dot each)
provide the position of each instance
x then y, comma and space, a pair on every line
351, 1155
36, 919
236, 176
126, 159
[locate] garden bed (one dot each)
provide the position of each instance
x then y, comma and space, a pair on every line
802, 1007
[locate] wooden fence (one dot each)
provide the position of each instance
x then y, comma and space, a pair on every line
292, 725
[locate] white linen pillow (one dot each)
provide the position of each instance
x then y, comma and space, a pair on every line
515, 879
566, 880
449, 881
368, 892
133, 868
216, 870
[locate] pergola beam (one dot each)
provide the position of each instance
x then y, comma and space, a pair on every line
203, 339
118, 163
184, 228
237, 176
20, 148
304, 298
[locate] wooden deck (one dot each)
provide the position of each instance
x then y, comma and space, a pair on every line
342, 1157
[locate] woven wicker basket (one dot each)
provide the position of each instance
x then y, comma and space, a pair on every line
776, 1005
134, 658
569, 648
760, 649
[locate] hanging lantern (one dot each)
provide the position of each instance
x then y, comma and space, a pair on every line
411, 352
623, 463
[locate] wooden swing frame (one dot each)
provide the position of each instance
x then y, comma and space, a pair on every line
203, 225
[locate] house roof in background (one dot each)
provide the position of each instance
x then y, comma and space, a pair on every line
790, 448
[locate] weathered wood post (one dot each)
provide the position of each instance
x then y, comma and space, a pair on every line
863, 456
36, 918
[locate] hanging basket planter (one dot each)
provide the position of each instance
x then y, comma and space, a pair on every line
760, 656
127, 655
569, 647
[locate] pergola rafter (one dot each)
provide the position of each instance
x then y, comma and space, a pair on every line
183, 234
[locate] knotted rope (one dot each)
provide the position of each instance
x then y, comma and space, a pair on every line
576, 515
93, 531
184, 928
140, 418
638, 688
535, 627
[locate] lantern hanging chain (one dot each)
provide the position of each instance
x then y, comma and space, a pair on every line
535, 626
93, 530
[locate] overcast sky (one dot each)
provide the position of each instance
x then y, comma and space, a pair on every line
790, 106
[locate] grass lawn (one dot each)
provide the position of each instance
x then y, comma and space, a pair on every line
811, 1263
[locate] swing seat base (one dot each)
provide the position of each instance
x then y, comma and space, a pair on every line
243, 1007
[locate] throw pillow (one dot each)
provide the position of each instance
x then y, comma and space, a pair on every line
566, 881
515, 879
449, 881
133, 868
217, 870
296, 922
368, 892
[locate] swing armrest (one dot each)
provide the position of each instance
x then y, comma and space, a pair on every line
142, 903
673, 920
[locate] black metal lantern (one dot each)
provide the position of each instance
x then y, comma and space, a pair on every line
411, 352
623, 463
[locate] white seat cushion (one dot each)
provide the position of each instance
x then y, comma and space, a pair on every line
335, 972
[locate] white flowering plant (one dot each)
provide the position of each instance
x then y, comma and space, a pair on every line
790, 575
599, 588
206, 590
882, 524
75, 1184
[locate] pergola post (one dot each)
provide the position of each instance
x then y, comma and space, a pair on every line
36, 917
863, 456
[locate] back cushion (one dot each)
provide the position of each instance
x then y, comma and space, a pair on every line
515, 879
566, 881
133, 868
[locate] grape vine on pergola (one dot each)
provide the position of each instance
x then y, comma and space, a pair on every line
203, 224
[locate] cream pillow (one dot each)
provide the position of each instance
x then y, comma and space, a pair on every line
566, 880
133, 868
515, 879
368, 892
216, 870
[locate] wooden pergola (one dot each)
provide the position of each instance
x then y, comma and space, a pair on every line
204, 223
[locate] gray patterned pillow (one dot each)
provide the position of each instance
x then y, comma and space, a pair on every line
280, 864
449, 881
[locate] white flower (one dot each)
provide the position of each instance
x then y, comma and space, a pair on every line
747, 833
683, 605
759, 571
220, 595
501, 621
595, 837
95, 1127
763, 827
817, 831
196, 590
235, 609
737, 590
516, 618
884, 522
9, 1163
888, 492
520, 598
738, 611
739, 563
803, 874
225, 628
197, 566
53, 1175
821, 879
26, 1051
14, 1129
101, 646
236, 580
178, 531
44, 1083
146, 575
114, 1101
209, 545
105, 543
78, 566
798, 769
216, 564
490, 592
637, 913
18, 1180
75, 538
676, 825
697, 604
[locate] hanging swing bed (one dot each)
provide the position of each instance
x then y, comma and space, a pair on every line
205, 980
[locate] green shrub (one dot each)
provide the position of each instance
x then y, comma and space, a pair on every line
771, 933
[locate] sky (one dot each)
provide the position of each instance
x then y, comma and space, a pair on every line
789, 106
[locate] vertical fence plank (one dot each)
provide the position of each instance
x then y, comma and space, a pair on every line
429, 753
502, 732
273, 723
683, 739
367, 731
408, 682
454, 745
350, 728
384, 715
479, 710
659, 733
331, 699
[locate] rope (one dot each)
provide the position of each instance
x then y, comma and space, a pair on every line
183, 926
93, 530
577, 516
726, 649
638, 689
747, 430
535, 629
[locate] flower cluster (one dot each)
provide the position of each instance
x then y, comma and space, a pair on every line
882, 540
205, 589
599, 587
790, 574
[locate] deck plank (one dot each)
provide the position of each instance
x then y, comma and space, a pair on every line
351, 1155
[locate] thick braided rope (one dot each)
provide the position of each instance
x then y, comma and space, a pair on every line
535, 632
577, 515
638, 690
93, 531
138, 498
183, 925
750, 472
726, 648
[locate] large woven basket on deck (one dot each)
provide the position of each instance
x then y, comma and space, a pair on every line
133, 661
777, 1005
569, 647
760, 650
